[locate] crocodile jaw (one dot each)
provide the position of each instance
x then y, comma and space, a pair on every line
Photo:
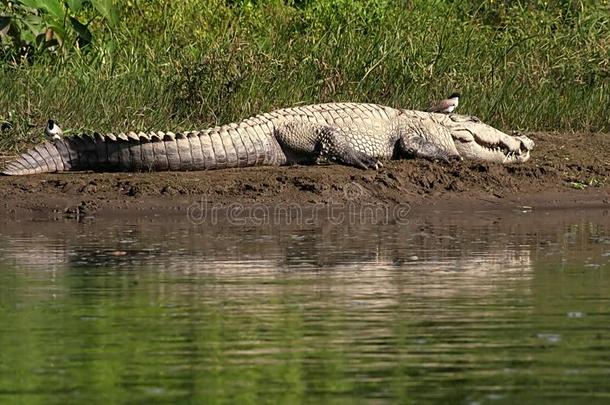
469, 147
476, 140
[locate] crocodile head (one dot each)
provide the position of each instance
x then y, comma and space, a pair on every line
476, 140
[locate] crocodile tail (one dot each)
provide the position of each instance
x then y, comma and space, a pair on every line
40, 159
80, 152
220, 147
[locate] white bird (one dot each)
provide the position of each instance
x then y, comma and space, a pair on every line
53, 130
447, 105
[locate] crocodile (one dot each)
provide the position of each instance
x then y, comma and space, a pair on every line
354, 134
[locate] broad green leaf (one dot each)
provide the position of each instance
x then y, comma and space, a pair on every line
75, 5
108, 10
32, 3
81, 29
34, 24
54, 8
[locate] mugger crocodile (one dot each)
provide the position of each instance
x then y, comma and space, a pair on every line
347, 133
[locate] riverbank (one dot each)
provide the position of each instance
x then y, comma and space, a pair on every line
566, 170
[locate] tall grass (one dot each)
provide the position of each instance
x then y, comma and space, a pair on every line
180, 65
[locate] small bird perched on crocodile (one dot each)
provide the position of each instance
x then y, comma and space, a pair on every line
52, 130
447, 105
352, 134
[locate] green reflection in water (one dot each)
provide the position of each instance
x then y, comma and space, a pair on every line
501, 310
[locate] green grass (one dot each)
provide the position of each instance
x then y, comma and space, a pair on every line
181, 65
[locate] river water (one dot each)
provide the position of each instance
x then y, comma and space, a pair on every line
466, 308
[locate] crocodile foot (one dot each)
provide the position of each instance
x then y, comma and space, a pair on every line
358, 159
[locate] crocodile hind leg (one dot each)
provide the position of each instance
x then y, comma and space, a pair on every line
305, 142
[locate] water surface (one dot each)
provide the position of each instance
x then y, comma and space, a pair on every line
468, 308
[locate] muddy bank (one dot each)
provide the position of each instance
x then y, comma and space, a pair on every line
566, 170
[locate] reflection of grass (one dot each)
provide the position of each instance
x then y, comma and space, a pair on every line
592, 182
177, 65
578, 185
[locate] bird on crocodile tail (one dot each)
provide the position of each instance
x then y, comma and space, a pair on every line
53, 130
447, 105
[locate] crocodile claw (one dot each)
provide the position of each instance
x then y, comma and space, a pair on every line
364, 162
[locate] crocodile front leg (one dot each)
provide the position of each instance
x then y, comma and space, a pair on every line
335, 146
306, 142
